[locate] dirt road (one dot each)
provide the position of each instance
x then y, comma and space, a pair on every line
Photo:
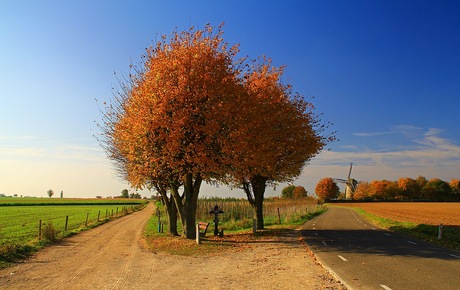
111, 257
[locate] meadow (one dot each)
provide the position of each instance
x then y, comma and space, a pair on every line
26, 222
238, 214
26, 201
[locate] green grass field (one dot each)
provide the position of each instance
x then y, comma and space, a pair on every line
17, 201
20, 219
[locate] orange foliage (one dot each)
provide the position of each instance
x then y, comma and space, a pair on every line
455, 186
327, 188
409, 189
363, 191
194, 112
299, 192
278, 129
178, 113
379, 188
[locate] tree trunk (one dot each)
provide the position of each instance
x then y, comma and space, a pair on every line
186, 205
172, 217
171, 210
192, 189
258, 184
255, 190
177, 199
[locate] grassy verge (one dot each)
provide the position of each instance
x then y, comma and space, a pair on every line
429, 233
236, 235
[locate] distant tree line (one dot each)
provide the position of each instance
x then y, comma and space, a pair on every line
125, 194
409, 189
404, 189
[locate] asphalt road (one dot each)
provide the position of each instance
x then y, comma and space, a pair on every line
366, 257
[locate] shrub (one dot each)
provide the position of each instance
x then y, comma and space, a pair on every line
49, 232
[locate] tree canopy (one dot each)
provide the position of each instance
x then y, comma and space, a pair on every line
327, 188
287, 191
193, 112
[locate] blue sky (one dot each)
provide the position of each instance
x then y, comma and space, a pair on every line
386, 73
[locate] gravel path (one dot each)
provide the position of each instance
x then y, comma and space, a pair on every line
111, 257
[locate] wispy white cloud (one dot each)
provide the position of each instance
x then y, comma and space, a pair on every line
410, 132
427, 153
431, 149
371, 134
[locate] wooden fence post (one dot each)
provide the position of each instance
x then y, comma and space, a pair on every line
279, 216
40, 230
98, 215
198, 241
66, 222
86, 222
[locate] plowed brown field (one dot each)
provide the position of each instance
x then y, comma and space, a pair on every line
429, 213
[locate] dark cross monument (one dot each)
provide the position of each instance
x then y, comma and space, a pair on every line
216, 211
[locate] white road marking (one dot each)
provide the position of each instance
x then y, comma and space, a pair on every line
324, 243
410, 242
455, 256
385, 287
387, 235
343, 259
316, 234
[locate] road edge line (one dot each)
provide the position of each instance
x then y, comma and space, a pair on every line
319, 262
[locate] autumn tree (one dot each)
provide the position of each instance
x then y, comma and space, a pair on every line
380, 189
363, 191
283, 134
327, 188
50, 193
436, 190
299, 192
410, 188
287, 191
193, 113
393, 192
173, 119
455, 189
421, 181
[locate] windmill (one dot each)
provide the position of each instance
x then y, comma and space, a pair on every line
350, 184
